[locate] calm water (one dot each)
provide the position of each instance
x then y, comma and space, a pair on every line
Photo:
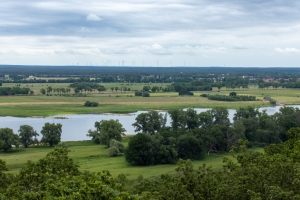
76, 126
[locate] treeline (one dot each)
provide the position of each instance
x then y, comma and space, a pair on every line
4, 91
193, 136
273, 174
179, 87
202, 72
86, 86
231, 98
27, 136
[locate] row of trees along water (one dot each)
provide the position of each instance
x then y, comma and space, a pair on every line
189, 136
193, 136
273, 174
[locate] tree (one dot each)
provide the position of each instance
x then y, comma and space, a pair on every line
149, 122
76, 90
51, 133
49, 89
189, 147
141, 150
101, 88
8, 139
178, 119
112, 89
146, 88
106, 130
43, 91
232, 94
26, 134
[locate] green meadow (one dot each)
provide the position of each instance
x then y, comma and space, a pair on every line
126, 102
92, 157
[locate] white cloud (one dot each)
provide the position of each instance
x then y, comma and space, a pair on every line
93, 17
287, 50
240, 46
156, 46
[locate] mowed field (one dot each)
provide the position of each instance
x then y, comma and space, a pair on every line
94, 158
125, 102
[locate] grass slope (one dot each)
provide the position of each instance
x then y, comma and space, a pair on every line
95, 158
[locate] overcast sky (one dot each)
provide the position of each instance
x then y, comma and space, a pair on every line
260, 33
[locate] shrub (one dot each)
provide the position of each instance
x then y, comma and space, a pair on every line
115, 148
146, 94
185, 92
62, 145
91, 104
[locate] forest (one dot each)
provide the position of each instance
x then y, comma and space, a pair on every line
272, 174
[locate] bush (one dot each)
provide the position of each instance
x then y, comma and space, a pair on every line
146, 94
231, 98
113, 151
91, 104
138, 93
185, 92
62, 145
115, 148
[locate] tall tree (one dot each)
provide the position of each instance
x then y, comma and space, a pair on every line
26, 134
150, 122
8, 139
178, 119
51, 133
106, 130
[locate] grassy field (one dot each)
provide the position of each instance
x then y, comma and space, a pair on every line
117, 102
95, 158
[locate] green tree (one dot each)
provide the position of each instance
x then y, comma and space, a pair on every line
51, 133
8, 139
101, 88
178, 119
106, 130
190, 147
49, 89
76, 90
141, 150
43, 91
26, 134
146, 88
149, 122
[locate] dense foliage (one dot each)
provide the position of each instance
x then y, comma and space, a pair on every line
192, 135
106, 130
91, 104
51, 133
8, 139
27, 135
231, 98
273, 174
4, 91
57, 177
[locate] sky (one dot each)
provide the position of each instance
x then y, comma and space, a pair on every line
231, 33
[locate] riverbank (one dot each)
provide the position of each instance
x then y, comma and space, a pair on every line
124, 103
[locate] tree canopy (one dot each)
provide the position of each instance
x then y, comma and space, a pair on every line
106, 130
26, 134
8, 139
51, 133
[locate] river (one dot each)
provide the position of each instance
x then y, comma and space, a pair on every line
75, 127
